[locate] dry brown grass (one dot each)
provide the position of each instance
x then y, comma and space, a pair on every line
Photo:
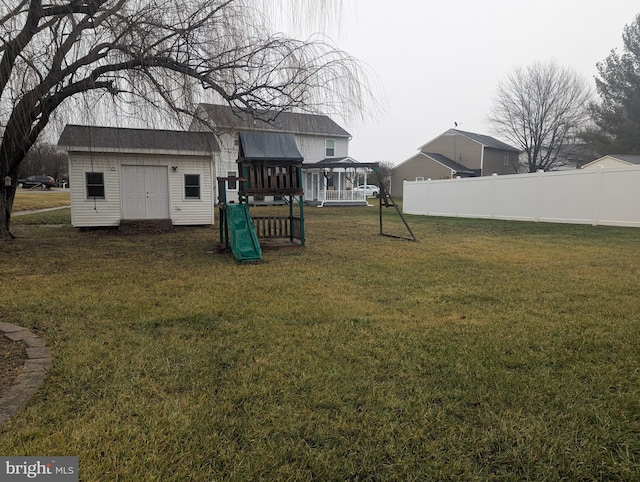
27, 200
486, 351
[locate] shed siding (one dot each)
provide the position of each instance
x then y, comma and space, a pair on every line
108, 212
89, 212
191, 211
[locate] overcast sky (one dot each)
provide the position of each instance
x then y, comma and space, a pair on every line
439, 62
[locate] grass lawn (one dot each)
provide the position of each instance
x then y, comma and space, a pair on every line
30, 199
486, 351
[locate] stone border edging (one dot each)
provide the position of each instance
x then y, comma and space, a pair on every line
32, 376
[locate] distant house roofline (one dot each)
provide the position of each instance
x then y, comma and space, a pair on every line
486, 141
440, 159
631, 159
227, 117
453, 165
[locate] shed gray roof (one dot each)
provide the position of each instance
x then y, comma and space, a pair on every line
226, 117
94, 138
268, 146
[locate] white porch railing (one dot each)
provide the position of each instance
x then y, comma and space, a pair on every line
345, 195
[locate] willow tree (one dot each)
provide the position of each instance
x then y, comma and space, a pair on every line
539, 109
165, 54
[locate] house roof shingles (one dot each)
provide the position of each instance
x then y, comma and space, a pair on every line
630, 158
225, 117
76, 137
445, 161
486, 141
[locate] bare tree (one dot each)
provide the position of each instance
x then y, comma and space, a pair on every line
166, 54
44, 158
539, 109
383, 176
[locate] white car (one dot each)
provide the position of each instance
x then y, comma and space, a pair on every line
368, 189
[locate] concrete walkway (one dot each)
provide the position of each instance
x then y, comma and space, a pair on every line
35, 368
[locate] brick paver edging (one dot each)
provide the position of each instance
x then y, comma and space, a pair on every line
32, 376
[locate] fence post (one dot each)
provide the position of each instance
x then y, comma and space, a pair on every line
598, 197
539, 172
494, 194
457, 208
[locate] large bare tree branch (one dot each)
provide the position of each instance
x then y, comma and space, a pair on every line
164, 54
539, 109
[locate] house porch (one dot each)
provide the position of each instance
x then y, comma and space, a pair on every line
330, 182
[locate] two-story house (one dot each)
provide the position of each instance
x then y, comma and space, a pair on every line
327, 171
456, 153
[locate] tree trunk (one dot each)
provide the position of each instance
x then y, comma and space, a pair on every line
7, 195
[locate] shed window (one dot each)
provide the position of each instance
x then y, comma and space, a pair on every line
330, 147
192, 186
95, 185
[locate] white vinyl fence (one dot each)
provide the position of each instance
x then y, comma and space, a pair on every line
607, 196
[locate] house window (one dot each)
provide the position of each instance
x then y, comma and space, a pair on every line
419, 178
95, 185
506, 158
232, 184
330, 147
192, 186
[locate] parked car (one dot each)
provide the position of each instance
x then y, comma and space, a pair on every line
369, 190
45, 182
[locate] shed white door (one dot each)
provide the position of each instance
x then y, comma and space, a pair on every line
145, 192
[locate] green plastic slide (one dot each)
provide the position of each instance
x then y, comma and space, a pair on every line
244, 240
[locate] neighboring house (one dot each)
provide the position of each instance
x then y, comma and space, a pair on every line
456, 153
118, 174
614, 160
323, 144
573, 155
